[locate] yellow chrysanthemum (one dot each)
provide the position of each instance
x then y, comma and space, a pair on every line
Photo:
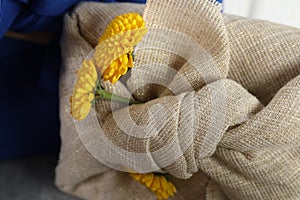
156, 183
118, 68
84, 90
114, 54
123, 23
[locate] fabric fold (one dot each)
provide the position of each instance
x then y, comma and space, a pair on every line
209, 120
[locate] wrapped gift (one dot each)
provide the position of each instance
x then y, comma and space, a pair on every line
212, 112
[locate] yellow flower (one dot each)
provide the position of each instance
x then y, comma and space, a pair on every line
156, 183
123, 23
84, 90
118, 68
114, 55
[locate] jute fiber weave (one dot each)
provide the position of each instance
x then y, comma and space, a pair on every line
221, 111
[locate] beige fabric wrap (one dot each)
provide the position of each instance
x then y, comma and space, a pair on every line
236, 118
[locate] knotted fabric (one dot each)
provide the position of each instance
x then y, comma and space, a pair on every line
220, 113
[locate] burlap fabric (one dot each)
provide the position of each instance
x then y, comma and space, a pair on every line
222, 106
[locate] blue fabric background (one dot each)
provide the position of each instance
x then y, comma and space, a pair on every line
29, 72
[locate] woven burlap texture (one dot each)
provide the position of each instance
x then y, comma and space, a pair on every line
228, 121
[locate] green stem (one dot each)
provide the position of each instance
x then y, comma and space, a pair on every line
115, 98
